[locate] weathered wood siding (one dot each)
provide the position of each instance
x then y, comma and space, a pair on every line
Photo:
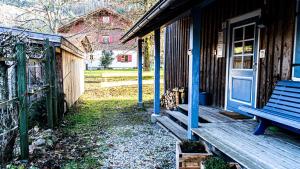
277, 38
73, 76
176, 47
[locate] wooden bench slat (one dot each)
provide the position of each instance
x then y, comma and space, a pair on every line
269, 110
275, 96
286, 103
283, 107
287, 89
288, 83
280, 111
275, 118
286, 94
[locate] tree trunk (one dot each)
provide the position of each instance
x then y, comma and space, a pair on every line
147, 53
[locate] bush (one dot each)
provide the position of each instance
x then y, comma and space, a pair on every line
215, 163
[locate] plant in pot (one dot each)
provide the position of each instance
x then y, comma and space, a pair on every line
218, 163
190, 154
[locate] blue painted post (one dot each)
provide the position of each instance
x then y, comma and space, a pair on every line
194, 76
156, 111
140, 74
297, 44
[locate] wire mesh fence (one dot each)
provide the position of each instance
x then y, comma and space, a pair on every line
26, 85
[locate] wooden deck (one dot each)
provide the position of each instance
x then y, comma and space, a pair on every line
267, 151
235, 138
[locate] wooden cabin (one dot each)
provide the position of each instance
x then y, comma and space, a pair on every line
236, 51
69, 62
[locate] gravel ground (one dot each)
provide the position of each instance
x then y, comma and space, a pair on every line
140, 147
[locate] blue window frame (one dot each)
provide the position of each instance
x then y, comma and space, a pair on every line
296, 65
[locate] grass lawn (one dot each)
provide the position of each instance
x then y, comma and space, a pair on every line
99, 109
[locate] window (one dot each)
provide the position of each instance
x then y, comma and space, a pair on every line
243, 47
105, 19
124, 58
105, 39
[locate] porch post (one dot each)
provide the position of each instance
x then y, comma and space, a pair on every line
140, 75
156, 110
194, 68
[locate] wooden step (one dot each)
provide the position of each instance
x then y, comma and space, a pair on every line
184, 107
173, 127
178, 116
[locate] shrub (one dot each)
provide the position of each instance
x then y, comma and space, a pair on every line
216, 163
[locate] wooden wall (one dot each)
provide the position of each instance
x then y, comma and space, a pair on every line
73, 76
277, 38
176, 47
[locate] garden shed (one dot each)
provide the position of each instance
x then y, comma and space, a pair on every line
70, 63
42, 75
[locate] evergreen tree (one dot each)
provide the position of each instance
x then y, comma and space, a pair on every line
106, 58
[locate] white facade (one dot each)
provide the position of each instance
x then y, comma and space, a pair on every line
94, 63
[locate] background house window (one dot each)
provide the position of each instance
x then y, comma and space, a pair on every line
105, 39
106, 19
124, 58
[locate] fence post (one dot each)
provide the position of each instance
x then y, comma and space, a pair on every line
48, 80
54, 84
22, 95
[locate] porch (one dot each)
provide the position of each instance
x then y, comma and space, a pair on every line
234, 137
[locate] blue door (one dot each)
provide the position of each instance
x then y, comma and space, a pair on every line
242, 64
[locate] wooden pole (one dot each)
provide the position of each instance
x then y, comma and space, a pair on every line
54, 84
49, 98
194, 74
22, 95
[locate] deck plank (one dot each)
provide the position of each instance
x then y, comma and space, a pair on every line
173, 127
237, 141
209, 114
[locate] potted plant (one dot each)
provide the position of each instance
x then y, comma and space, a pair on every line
218, 163
190, 154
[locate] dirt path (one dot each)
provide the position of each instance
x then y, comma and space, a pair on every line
105, 129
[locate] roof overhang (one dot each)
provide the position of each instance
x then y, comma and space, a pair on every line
39, 38
160, 14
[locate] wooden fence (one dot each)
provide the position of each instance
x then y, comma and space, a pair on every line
33, 80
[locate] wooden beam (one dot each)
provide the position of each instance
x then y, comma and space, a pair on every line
48, 80
54, 84
22, 95
157, 72
140, 72
194, 65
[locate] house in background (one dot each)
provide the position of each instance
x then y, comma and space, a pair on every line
101, 30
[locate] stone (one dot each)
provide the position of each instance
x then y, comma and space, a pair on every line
40, 142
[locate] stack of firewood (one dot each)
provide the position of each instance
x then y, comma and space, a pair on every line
172, 98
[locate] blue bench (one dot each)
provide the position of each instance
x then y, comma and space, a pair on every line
283, 108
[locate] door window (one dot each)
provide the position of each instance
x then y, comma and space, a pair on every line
243, 47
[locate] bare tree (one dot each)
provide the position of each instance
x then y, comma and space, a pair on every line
46, 15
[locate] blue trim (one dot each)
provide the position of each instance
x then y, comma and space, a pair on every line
194, 74
140, 72
297, 46
157, 72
